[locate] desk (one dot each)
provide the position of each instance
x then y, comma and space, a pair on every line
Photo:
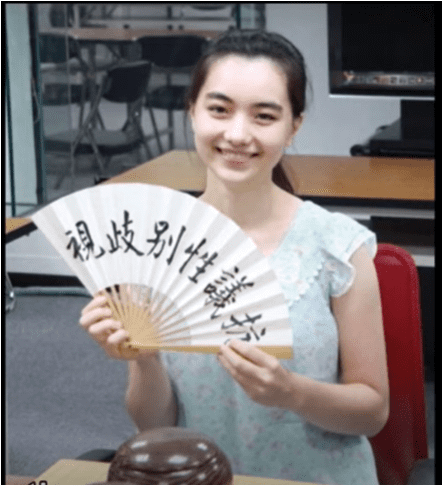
397, 181
67, 471
381, 192
17, 227
372, 178
389, 183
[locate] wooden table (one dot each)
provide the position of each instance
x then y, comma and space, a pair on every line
178, 169
392, 180
380, 192
379, 181
396, 182
17, 227
70, 471
389, 179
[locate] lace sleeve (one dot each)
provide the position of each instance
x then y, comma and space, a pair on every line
346, 236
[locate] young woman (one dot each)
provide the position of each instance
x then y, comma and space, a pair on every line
306, 418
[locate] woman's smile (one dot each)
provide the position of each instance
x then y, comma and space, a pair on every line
236, 158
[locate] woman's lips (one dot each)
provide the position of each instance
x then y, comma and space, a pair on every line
236, 157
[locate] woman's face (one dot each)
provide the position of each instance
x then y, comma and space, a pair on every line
242, 119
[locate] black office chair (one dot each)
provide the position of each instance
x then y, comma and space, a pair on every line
59, 61
126, 84
170, 54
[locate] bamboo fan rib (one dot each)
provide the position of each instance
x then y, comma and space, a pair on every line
177, 273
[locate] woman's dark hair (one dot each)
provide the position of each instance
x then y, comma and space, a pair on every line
251, 44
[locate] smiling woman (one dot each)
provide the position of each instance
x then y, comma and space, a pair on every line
307, 418
285, 59
240, 132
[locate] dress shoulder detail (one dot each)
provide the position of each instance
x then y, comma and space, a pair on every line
320, 244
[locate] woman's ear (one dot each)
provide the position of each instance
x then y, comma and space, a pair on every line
295, 128
191, 113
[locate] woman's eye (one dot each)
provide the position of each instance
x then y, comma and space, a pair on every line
217, 109
266, 117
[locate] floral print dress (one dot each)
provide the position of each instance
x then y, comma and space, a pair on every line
312, 265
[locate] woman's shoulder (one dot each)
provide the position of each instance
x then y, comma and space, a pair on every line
320, 240
332, 232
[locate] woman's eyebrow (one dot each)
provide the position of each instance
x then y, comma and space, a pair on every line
218, 96
269, 104
262, 104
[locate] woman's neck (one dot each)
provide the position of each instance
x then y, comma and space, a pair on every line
249, 205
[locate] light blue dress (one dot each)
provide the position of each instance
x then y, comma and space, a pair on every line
312, 264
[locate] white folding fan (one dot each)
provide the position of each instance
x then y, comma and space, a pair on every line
178, 274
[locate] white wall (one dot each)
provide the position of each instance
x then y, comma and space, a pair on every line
22, 123
332, 124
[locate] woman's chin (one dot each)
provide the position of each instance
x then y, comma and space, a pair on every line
234, 175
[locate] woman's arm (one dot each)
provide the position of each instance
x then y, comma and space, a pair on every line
149, 397
150, 400
359, 404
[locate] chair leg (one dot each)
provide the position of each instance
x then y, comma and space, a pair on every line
134, 114
100, 161
72, 171
143, 138
171, 128
147, 149
154, 125
100, 120
82, 105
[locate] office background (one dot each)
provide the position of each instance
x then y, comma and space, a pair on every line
332, 125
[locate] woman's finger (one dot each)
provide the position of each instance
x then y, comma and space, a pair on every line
94, 315
118, 337
102, 330
253, 354
250, 383
99, 300
236, 364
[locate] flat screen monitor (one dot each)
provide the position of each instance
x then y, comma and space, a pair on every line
382, 48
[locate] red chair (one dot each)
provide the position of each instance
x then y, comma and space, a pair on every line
403, 441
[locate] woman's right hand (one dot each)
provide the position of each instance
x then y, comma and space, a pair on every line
97, 320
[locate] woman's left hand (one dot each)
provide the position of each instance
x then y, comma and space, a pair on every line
260, 375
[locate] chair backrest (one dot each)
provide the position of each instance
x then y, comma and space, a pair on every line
172, 51
403, 440
127, 83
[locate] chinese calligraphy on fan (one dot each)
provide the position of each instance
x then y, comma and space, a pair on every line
167, 244
221, 293
121, 237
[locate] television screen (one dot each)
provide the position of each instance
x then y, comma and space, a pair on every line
382, 48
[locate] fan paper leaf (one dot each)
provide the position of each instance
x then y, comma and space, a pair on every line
179, 275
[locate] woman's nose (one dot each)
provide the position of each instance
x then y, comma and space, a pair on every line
238, 130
